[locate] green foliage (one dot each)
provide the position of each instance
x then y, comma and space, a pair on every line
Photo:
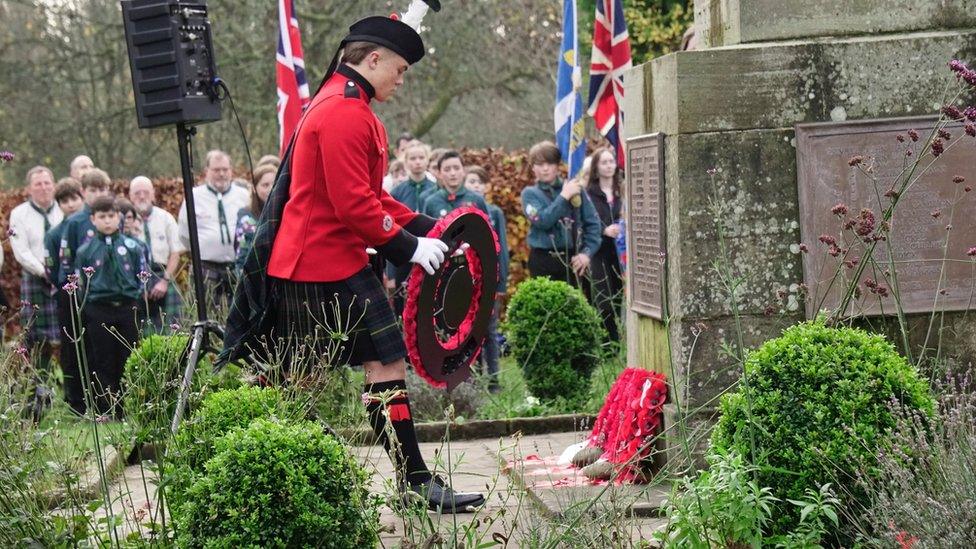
219, 413
656, 27
555, 336
813, 406
725, 507
279, 484
153, 374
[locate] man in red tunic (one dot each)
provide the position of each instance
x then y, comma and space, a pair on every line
320, 297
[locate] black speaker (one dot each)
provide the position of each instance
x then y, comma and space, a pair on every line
172, 62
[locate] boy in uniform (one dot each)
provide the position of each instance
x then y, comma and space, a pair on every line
77, 231
476, 181
452, 194
109, 267
564, 230
408, 193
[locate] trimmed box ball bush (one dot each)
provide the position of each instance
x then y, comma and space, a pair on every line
555, 335
820, 401
279, 484
218, 414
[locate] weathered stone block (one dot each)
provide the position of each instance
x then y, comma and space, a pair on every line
704, 354
765, 86
729, 22
753, 193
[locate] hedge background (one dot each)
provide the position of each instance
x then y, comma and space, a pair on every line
509, 172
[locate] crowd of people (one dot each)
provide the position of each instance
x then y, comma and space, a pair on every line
103, 267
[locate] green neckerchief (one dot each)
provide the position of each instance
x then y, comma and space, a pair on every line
44, 214
145, 236
221, 215
452, 197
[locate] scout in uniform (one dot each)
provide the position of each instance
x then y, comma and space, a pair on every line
408, 193
564, 230
476, 181
452, 194
319, 296
109, 267
29, 222
78, 230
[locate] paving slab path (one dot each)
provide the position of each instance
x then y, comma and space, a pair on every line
525, 487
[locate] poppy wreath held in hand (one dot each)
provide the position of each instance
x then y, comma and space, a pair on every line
455, 342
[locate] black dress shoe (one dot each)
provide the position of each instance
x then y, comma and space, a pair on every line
440, 497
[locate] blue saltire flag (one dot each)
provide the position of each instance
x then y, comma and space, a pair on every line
570, 131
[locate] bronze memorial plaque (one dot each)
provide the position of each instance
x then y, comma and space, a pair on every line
916, 247
645, 224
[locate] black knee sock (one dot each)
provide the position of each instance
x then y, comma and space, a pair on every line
406, 455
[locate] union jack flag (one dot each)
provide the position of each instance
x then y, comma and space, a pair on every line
611, 58
293, 94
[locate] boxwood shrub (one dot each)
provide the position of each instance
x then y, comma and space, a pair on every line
555, 336
279, 484
218, 414
815, 405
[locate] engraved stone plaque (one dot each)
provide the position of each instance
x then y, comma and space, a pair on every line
916, 254
645, 224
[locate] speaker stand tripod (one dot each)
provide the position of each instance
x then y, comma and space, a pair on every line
200, 340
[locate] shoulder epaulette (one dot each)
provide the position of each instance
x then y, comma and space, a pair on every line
352, 90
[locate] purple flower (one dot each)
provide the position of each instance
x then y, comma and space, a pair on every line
6, 156
957, 179
89, 270
25, 303
936, 214
971, 252
174, 326
952, 112
102, 419
711, 171
22, 351
365, 398
70, 287
803, 248
970, 130
945, 134
913, 135
937, 147
968, 188
891, 193
865, 222
943, 291
957, 66
73, 277
828, 240
855, 160
143, 276
900, 138
839, 210
970, 113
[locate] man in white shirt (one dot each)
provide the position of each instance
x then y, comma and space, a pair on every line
217, 203
79, 166
29, 222
162, 239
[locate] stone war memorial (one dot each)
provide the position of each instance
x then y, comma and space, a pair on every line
705, 278
740, 155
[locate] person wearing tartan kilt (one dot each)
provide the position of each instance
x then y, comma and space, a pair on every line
320, 294
161, 236
29, 222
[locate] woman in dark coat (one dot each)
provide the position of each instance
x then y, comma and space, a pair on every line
604, 188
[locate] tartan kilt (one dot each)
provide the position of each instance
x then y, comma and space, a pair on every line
346, 322
39, 319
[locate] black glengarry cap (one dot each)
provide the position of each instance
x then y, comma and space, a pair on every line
389, 33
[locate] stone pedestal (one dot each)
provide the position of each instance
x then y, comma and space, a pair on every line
733, 108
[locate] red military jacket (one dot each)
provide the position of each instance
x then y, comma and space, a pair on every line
337, 206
